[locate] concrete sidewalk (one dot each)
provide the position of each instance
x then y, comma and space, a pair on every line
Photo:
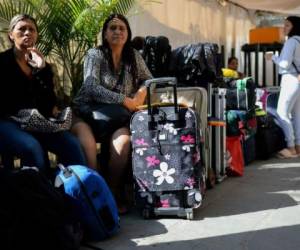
259, 211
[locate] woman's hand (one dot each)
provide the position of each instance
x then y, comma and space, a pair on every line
130, 104
35, 58
140, 96
268, 56
55, 111
138, 100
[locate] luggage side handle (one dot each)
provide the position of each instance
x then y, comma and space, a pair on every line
66, 171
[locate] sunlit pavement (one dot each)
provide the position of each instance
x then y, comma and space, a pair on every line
259, 211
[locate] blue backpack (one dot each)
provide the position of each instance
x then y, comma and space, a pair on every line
94, 201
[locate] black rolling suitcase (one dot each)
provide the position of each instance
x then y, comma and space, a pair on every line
269, 139
166, 157
249, 148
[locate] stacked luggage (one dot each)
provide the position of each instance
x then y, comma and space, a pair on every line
192, 64
229, 136
240, 116
196, 64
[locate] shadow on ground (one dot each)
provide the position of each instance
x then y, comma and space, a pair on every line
257, 211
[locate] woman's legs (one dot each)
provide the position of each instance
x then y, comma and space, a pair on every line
65, 145
85, 135
290, 89
17, 142
119, 156
296, 121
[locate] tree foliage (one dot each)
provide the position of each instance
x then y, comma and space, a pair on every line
67, 28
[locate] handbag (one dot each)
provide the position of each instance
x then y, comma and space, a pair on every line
105, 118
32, 120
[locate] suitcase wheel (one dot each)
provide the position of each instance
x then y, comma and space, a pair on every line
190, 215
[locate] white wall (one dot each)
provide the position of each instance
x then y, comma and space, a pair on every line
192, 21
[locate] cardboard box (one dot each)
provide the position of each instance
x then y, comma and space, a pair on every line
266, 35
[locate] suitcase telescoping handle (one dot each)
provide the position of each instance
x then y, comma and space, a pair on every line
166, 81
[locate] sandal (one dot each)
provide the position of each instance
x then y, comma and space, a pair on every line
285, 154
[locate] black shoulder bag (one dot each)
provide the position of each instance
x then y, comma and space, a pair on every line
105, 118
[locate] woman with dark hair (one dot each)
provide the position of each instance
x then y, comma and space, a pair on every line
113, 74
288, 108
27, 83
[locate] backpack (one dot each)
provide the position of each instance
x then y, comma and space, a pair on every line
156, 53
34, 215
97, 208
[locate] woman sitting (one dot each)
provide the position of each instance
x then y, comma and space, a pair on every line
113, 74
27, 83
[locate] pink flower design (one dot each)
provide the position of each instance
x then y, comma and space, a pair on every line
152, 161
165, 203
187, 139
190, 181
141, 142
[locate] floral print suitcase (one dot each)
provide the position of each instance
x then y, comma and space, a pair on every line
166, 158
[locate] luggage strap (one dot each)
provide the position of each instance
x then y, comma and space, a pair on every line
238, 97
293, 63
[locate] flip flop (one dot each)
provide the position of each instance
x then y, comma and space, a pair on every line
285, 154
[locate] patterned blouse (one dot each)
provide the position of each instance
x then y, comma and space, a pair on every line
102, 85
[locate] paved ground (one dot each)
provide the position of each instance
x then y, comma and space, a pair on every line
259, 211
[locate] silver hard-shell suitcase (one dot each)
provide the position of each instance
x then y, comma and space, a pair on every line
217, 122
